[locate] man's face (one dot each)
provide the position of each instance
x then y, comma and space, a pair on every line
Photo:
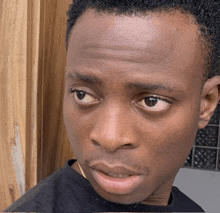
132, 101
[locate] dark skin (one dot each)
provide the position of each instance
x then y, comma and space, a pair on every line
135, 96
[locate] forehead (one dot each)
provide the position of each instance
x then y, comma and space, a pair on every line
165, 39
151, 22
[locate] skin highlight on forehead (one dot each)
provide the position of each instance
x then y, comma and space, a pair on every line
148, 30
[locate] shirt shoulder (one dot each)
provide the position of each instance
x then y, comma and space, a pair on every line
182, 203
41, 197
63, 191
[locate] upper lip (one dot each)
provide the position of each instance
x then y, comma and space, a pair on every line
113, 169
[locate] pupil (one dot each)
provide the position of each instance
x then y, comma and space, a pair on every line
151, 101
80, 95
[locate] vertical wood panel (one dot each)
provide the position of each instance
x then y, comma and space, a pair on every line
13, 36
33, 114
54, 143
32, 66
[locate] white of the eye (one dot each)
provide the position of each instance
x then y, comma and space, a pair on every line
160, 105
86, 99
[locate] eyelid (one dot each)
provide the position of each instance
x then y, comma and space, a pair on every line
166, 100
161, 97
88, 91
85, 90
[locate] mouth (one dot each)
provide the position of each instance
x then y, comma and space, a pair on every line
117, 179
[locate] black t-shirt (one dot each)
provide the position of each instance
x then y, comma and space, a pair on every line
67, 191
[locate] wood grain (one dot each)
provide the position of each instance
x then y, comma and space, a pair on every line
13, 75
33, 115
32, 65
55, 146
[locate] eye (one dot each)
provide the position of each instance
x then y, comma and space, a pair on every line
153, 103
83, 97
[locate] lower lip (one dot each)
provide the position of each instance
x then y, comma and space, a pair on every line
116, 185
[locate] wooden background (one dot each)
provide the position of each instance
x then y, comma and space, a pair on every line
32, 64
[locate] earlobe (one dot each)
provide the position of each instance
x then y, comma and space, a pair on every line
209, 100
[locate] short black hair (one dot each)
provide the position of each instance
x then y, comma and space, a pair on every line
206, 13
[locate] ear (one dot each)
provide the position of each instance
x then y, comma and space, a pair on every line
209, 100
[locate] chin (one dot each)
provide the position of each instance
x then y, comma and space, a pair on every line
122, 199
137, 196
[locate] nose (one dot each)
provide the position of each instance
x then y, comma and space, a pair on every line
113, 129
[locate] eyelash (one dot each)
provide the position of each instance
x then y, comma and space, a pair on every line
75, 90
158, 97
165, 102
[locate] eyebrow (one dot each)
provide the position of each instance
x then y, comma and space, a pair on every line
85, 78
151, 87
140, 86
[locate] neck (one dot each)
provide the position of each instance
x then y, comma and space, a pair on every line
161, 196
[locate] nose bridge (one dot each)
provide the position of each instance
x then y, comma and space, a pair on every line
113, 128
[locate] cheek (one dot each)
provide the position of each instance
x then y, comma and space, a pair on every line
71, 122
176, 139
78, 127
166, 144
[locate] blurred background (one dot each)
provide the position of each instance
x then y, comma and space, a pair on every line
33, 142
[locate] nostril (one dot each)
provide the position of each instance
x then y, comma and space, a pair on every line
95, 143
111, 138
112, 145
127, 146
